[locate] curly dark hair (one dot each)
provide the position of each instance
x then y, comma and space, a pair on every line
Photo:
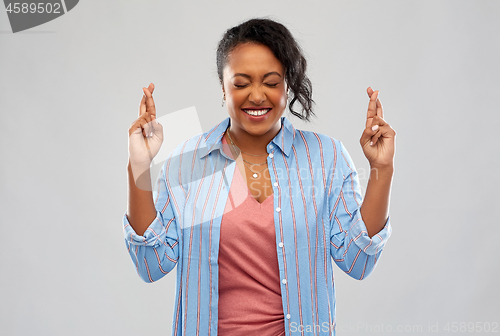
284, 47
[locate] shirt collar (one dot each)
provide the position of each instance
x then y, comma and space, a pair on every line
284, 138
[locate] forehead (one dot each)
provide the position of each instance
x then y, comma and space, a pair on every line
252, 59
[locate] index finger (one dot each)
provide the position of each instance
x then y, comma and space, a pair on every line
150, 103
372, 106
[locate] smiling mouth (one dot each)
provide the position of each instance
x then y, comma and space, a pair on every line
257, 112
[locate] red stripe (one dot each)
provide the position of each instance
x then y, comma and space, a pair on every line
299, 178
356, 222
210, 244
295, 237
340, 225
326, 254
316, 216
353, 192
179, 295
347, 248
352, 266
334, 166
191, 233
156, 235
345, 204
136, 259
166, 204
281, 238
333, 211
359, 235
347, 163
168, 224
159, 262
364, 268
147, 268
364, 250
172, 260
201, 239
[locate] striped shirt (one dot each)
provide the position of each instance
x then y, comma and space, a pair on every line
317, 203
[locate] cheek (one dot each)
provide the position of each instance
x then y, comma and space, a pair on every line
234, 99
278, 98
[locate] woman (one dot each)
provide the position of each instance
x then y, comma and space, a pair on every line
252, 210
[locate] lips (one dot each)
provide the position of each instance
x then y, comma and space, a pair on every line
256, 111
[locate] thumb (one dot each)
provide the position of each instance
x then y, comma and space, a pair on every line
367, 135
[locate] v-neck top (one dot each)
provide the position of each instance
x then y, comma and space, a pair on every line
249, 282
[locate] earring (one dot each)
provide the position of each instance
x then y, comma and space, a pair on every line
223, 99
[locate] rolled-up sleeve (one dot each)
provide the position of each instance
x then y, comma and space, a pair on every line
156, 252
351, 247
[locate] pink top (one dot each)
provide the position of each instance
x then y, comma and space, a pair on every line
249, 282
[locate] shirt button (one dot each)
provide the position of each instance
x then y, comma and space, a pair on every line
275, 184
271, 146
288, 316
280, 244
284, 281
271, 155
278, 209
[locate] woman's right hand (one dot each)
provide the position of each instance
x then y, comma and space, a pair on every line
145, 133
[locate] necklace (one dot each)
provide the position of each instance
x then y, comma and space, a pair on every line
254, 173
239, 147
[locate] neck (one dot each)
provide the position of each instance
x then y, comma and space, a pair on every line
253, 144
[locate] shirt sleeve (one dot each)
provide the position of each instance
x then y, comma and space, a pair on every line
156, 252
350, 246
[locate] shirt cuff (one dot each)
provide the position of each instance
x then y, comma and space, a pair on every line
153, 236
372, 245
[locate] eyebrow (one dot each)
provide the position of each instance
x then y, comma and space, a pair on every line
248, 76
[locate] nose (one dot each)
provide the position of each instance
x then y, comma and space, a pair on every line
257, 96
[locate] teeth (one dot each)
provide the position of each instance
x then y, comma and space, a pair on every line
257, 112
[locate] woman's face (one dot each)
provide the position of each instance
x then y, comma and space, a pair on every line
254, 82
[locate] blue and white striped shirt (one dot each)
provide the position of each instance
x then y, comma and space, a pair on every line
317, 215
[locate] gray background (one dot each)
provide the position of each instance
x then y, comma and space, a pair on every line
70, 89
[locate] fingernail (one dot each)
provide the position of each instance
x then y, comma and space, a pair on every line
371, 143
156, 120
374, 128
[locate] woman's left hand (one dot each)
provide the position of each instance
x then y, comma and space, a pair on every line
378, 138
